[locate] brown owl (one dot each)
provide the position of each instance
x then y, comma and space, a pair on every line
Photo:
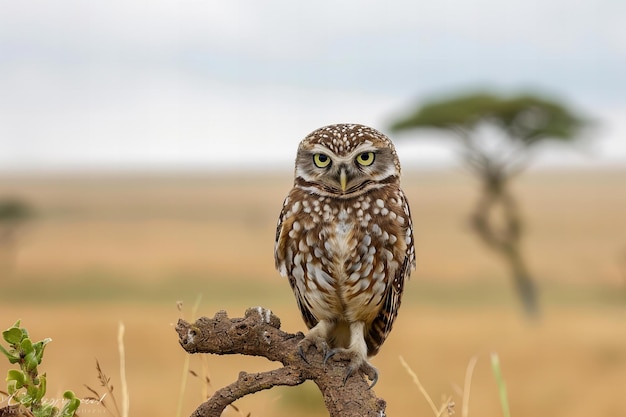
345, 241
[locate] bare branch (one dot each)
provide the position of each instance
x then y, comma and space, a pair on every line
247, 384
259, 334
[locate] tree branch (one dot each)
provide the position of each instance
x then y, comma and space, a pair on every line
259, 334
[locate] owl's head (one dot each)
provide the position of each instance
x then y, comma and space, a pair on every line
345, 160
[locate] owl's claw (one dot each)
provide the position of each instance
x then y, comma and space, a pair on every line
366, 368
355, 363
301, 353
305, 344
371, 372
330, 354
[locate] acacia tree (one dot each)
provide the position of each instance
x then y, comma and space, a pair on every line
496, 137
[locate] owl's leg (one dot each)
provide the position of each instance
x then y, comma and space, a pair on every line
318, 337
356, 353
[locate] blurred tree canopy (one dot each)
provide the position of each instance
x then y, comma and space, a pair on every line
13, 213
495, 135
13, 210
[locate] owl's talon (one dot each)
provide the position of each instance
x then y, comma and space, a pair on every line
371, 372
342, 354
329, 354
301, 353
366, 368
305, 344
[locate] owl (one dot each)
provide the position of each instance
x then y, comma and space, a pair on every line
345, 241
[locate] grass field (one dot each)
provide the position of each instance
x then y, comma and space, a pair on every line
110, 248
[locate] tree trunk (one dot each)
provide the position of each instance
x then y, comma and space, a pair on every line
505, 238
523, 281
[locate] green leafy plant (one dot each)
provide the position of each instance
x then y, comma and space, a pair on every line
26, 388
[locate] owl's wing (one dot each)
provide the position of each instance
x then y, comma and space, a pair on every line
284, 263
280, 241
382, 324
307, 315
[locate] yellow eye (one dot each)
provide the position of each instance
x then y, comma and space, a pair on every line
321, 160
365, 158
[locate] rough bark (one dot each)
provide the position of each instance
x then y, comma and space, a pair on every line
259, 334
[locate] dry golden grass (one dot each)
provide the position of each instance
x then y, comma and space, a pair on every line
110, 249
151, 227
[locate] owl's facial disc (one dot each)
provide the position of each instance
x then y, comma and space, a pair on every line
345, 174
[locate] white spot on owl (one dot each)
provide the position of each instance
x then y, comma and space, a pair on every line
321, 278
354, 277
363, 284
379, 287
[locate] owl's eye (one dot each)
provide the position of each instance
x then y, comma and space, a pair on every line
365, 158
321, 160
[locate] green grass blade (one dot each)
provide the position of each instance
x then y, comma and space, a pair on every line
497, 372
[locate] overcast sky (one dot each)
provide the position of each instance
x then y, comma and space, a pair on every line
205, 84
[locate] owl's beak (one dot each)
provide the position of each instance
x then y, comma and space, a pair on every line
343, 179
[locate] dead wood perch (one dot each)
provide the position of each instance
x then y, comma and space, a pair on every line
259, 334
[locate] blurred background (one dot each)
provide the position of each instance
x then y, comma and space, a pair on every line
146, 148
